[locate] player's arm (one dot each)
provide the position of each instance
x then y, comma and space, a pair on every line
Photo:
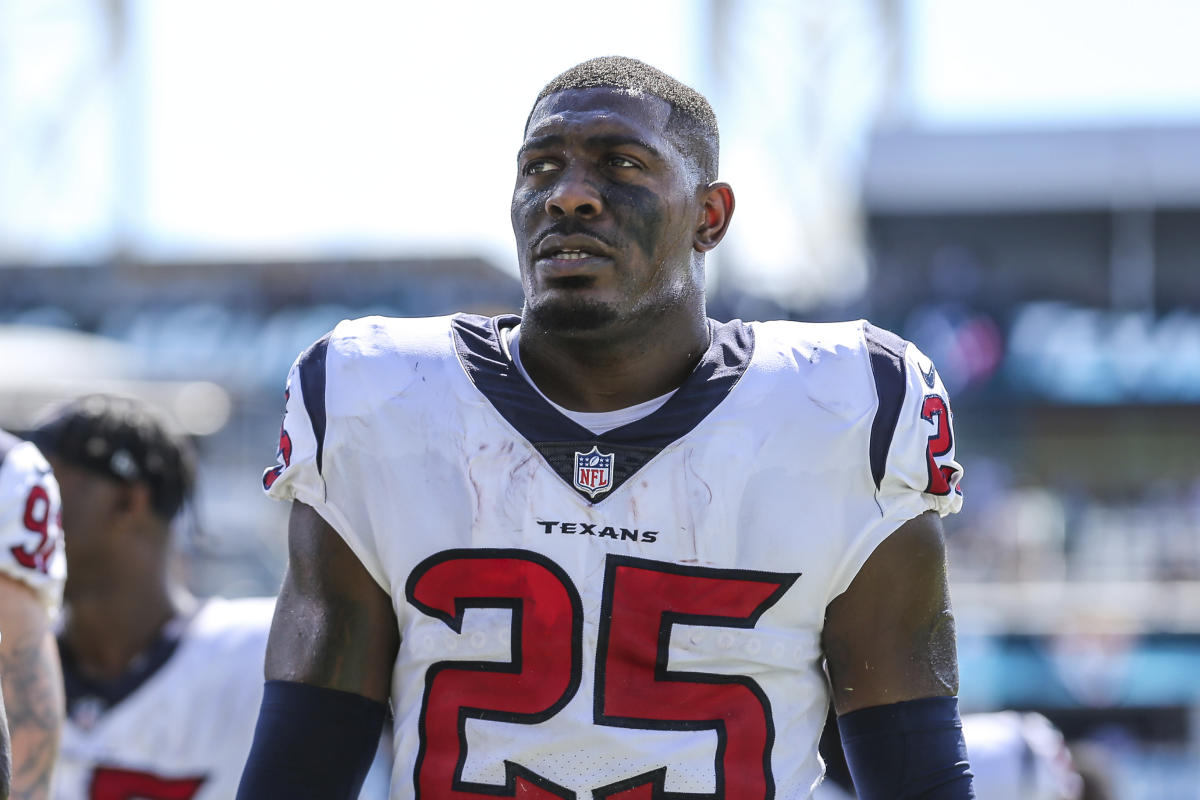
334, 626
33, 689
5, 755
890, 651
329, 662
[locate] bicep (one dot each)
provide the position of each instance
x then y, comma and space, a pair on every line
334, 626
33, 687
890, 636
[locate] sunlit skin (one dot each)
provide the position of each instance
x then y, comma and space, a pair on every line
611, 222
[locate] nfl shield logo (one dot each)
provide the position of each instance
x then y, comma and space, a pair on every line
593, 471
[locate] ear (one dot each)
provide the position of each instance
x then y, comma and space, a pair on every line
715, 212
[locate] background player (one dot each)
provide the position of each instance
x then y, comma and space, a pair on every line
155, 681
591, 525
32, 568
161, 687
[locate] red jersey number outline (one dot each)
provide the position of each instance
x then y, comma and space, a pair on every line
643, 599
541, 678
941, 442
285, 450
110, 783
37, 558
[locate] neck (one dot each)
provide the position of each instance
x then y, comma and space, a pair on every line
613, 369
111, 618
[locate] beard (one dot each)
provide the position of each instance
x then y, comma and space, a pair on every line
567, 316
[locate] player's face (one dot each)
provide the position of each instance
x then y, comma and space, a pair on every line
89, 501
604, 211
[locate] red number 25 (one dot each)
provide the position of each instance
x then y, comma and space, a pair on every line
634, 688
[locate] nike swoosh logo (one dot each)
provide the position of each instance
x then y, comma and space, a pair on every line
929, 376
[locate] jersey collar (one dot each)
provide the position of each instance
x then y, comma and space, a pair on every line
558, 438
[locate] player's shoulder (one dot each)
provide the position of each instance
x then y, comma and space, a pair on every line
852, 340
375, 337
30, 532
7, 443
23, 468
807, 337
840, 365
377, 342
363, 361
853, 347
219, 656
19, 457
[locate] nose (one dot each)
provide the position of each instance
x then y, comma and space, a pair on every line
574, 194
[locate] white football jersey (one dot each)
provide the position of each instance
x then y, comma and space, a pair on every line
180, 727
180, 724
31, 547
616, 615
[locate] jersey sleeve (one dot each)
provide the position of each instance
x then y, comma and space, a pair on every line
308, 452
913, 446
31, 539
911, 459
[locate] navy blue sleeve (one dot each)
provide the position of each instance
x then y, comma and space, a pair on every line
311, 743
912, 750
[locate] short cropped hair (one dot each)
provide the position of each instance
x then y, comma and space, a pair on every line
126, 440
692, 119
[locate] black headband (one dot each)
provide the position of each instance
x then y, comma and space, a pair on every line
123, 440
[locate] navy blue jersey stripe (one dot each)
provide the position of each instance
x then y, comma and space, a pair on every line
714, 377
558, 438
477, 340
886, 351
312, 388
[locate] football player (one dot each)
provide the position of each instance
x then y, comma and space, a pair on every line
32, 569
155, 681
161, 687
609, 548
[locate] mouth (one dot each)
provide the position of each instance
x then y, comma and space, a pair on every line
571, 255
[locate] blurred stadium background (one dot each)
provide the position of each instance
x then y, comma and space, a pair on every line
191, 192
